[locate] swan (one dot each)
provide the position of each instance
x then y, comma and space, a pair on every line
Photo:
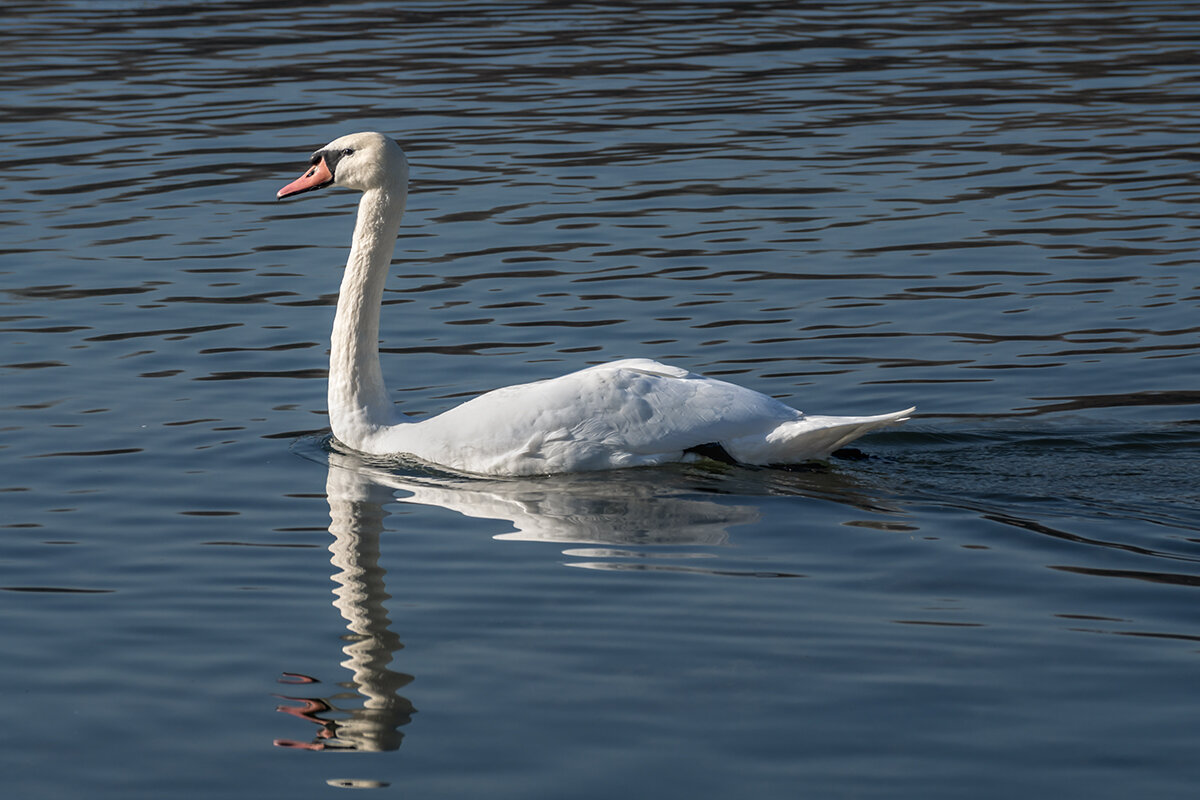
629, 413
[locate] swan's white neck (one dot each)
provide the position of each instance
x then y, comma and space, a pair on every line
359, 406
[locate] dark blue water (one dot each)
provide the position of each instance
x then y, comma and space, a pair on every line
988, 211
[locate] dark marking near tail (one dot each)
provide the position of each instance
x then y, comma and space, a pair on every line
712, 450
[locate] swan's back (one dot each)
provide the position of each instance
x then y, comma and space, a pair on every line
628, 413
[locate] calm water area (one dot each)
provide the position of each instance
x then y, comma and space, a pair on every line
989, 210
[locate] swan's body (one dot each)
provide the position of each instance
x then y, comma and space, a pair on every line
623, 414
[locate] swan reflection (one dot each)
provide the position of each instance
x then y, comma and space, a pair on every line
610, 516
366, 721
613, 508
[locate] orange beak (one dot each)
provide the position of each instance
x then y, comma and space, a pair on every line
317, 177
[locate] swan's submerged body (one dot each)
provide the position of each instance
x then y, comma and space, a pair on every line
623, 414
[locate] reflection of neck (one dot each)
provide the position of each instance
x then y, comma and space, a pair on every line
358, 401
357, 515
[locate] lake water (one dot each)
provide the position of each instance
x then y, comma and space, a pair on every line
990, 211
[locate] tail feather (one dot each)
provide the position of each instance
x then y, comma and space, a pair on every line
810, 438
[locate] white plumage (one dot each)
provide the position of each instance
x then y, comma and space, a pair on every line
635, 412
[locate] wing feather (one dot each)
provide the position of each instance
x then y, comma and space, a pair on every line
619, 414
636, 412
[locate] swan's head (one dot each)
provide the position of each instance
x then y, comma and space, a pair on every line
361, 161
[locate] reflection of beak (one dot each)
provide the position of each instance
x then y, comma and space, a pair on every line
317, 177
295, 745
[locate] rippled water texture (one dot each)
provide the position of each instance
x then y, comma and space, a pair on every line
985, 210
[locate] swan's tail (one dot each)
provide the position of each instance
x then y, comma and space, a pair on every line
810, 438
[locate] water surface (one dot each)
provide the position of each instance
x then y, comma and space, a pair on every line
985, 211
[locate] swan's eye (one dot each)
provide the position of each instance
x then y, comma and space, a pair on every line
349, 151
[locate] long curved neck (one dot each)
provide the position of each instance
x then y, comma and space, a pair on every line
358, 401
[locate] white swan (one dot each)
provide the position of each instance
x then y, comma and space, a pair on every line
628, 413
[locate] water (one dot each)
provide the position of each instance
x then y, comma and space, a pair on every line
986, 211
